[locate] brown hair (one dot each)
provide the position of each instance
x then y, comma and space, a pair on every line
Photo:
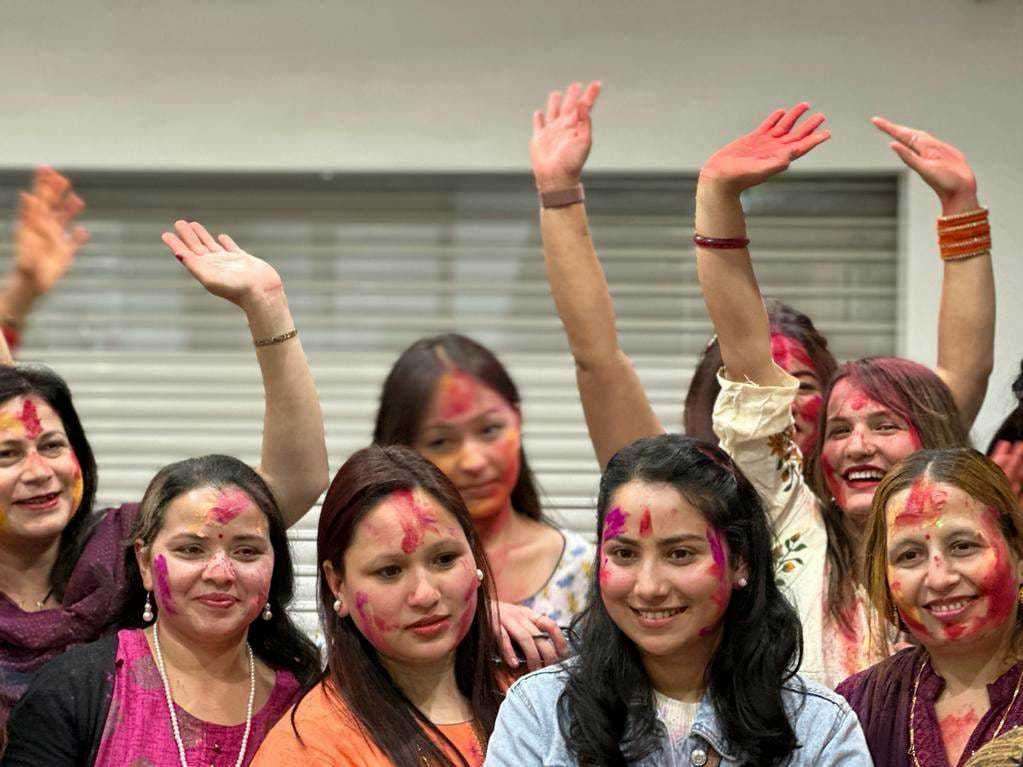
962, 467
410, 387
915, 393
698, 411
355, 677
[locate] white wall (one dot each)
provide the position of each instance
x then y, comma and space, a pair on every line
450, 85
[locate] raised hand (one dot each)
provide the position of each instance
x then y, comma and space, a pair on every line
562, 137
1009, 456
222, 267
45, 242
941, 165
768, 150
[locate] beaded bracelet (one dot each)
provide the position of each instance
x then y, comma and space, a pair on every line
272, 340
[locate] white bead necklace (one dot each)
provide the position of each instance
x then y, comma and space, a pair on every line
170, 700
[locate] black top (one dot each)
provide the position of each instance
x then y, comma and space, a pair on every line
60, 719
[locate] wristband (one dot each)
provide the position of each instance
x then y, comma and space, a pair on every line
273, 340
721, 243
562, 198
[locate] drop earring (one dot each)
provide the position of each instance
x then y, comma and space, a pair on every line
267, 612
147, 610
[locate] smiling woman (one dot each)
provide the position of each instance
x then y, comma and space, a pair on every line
944, 562
222, 661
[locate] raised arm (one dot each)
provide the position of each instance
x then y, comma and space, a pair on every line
45, 243
616, 407
723, 262
966, 319
294, 455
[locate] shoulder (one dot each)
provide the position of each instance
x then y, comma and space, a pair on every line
540, 690
884, 678
79, 663
806, 698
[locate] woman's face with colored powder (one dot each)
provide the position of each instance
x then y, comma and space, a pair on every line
409, 580
953, 577
210, 565
40, 480
471, 433
862, 440
790, 355
665, 573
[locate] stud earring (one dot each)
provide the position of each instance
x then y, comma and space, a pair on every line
267, 612
1020, 597
147, 610
337, 605
742, 583
479, 575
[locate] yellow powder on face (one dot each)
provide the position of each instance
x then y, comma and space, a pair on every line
10, 422
76, 492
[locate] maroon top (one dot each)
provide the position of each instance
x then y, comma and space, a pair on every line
881, 696
93, 599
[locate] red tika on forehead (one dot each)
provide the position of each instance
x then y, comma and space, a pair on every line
30, 419
646, 525
414, 520
923, 505
456, 391
229, 504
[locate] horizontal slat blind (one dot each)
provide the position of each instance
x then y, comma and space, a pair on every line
161, 370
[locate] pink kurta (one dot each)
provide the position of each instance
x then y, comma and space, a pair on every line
138, 728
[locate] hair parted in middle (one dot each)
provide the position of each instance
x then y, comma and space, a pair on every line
606, 712
355, 676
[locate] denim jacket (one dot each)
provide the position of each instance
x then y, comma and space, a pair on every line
527, 731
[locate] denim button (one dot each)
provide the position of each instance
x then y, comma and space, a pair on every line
699, 757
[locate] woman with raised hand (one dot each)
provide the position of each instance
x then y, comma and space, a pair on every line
62, 563
214, 660
405, 608
688, 649
452, 400
944, 560
45, 243
873, 412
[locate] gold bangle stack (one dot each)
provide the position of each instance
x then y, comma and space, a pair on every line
964, 235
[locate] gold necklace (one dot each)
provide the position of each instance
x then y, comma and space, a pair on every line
912, 712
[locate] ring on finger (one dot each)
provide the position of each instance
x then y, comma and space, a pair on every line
913, 140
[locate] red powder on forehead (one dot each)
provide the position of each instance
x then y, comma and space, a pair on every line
924, 504
645, 524
229, 504
614, 523
414, 520
789, 353
30, 418
456, 391
859, 400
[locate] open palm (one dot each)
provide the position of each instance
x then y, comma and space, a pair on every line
941, 165
562, 137
45, 241
224, 269
776, 142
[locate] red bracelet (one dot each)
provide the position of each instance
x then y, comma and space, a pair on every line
721, 243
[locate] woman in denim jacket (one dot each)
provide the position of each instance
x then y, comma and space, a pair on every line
688, 650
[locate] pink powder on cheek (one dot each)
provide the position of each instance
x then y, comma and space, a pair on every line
717, 569
229, 504
646, 526
832, 481
30, 418
163, 590
809, 408
457, 392
614, 523
604, 575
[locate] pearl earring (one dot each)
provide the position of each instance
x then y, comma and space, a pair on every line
337, 605
147, 611
479, 575
742, 583
267, 612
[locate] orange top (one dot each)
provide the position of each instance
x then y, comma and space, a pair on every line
332, 736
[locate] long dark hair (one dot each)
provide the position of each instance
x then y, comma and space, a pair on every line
355, 677
410, 387
23, 380
278, 642
606, 712
698, 412
916, 394
1011, 429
